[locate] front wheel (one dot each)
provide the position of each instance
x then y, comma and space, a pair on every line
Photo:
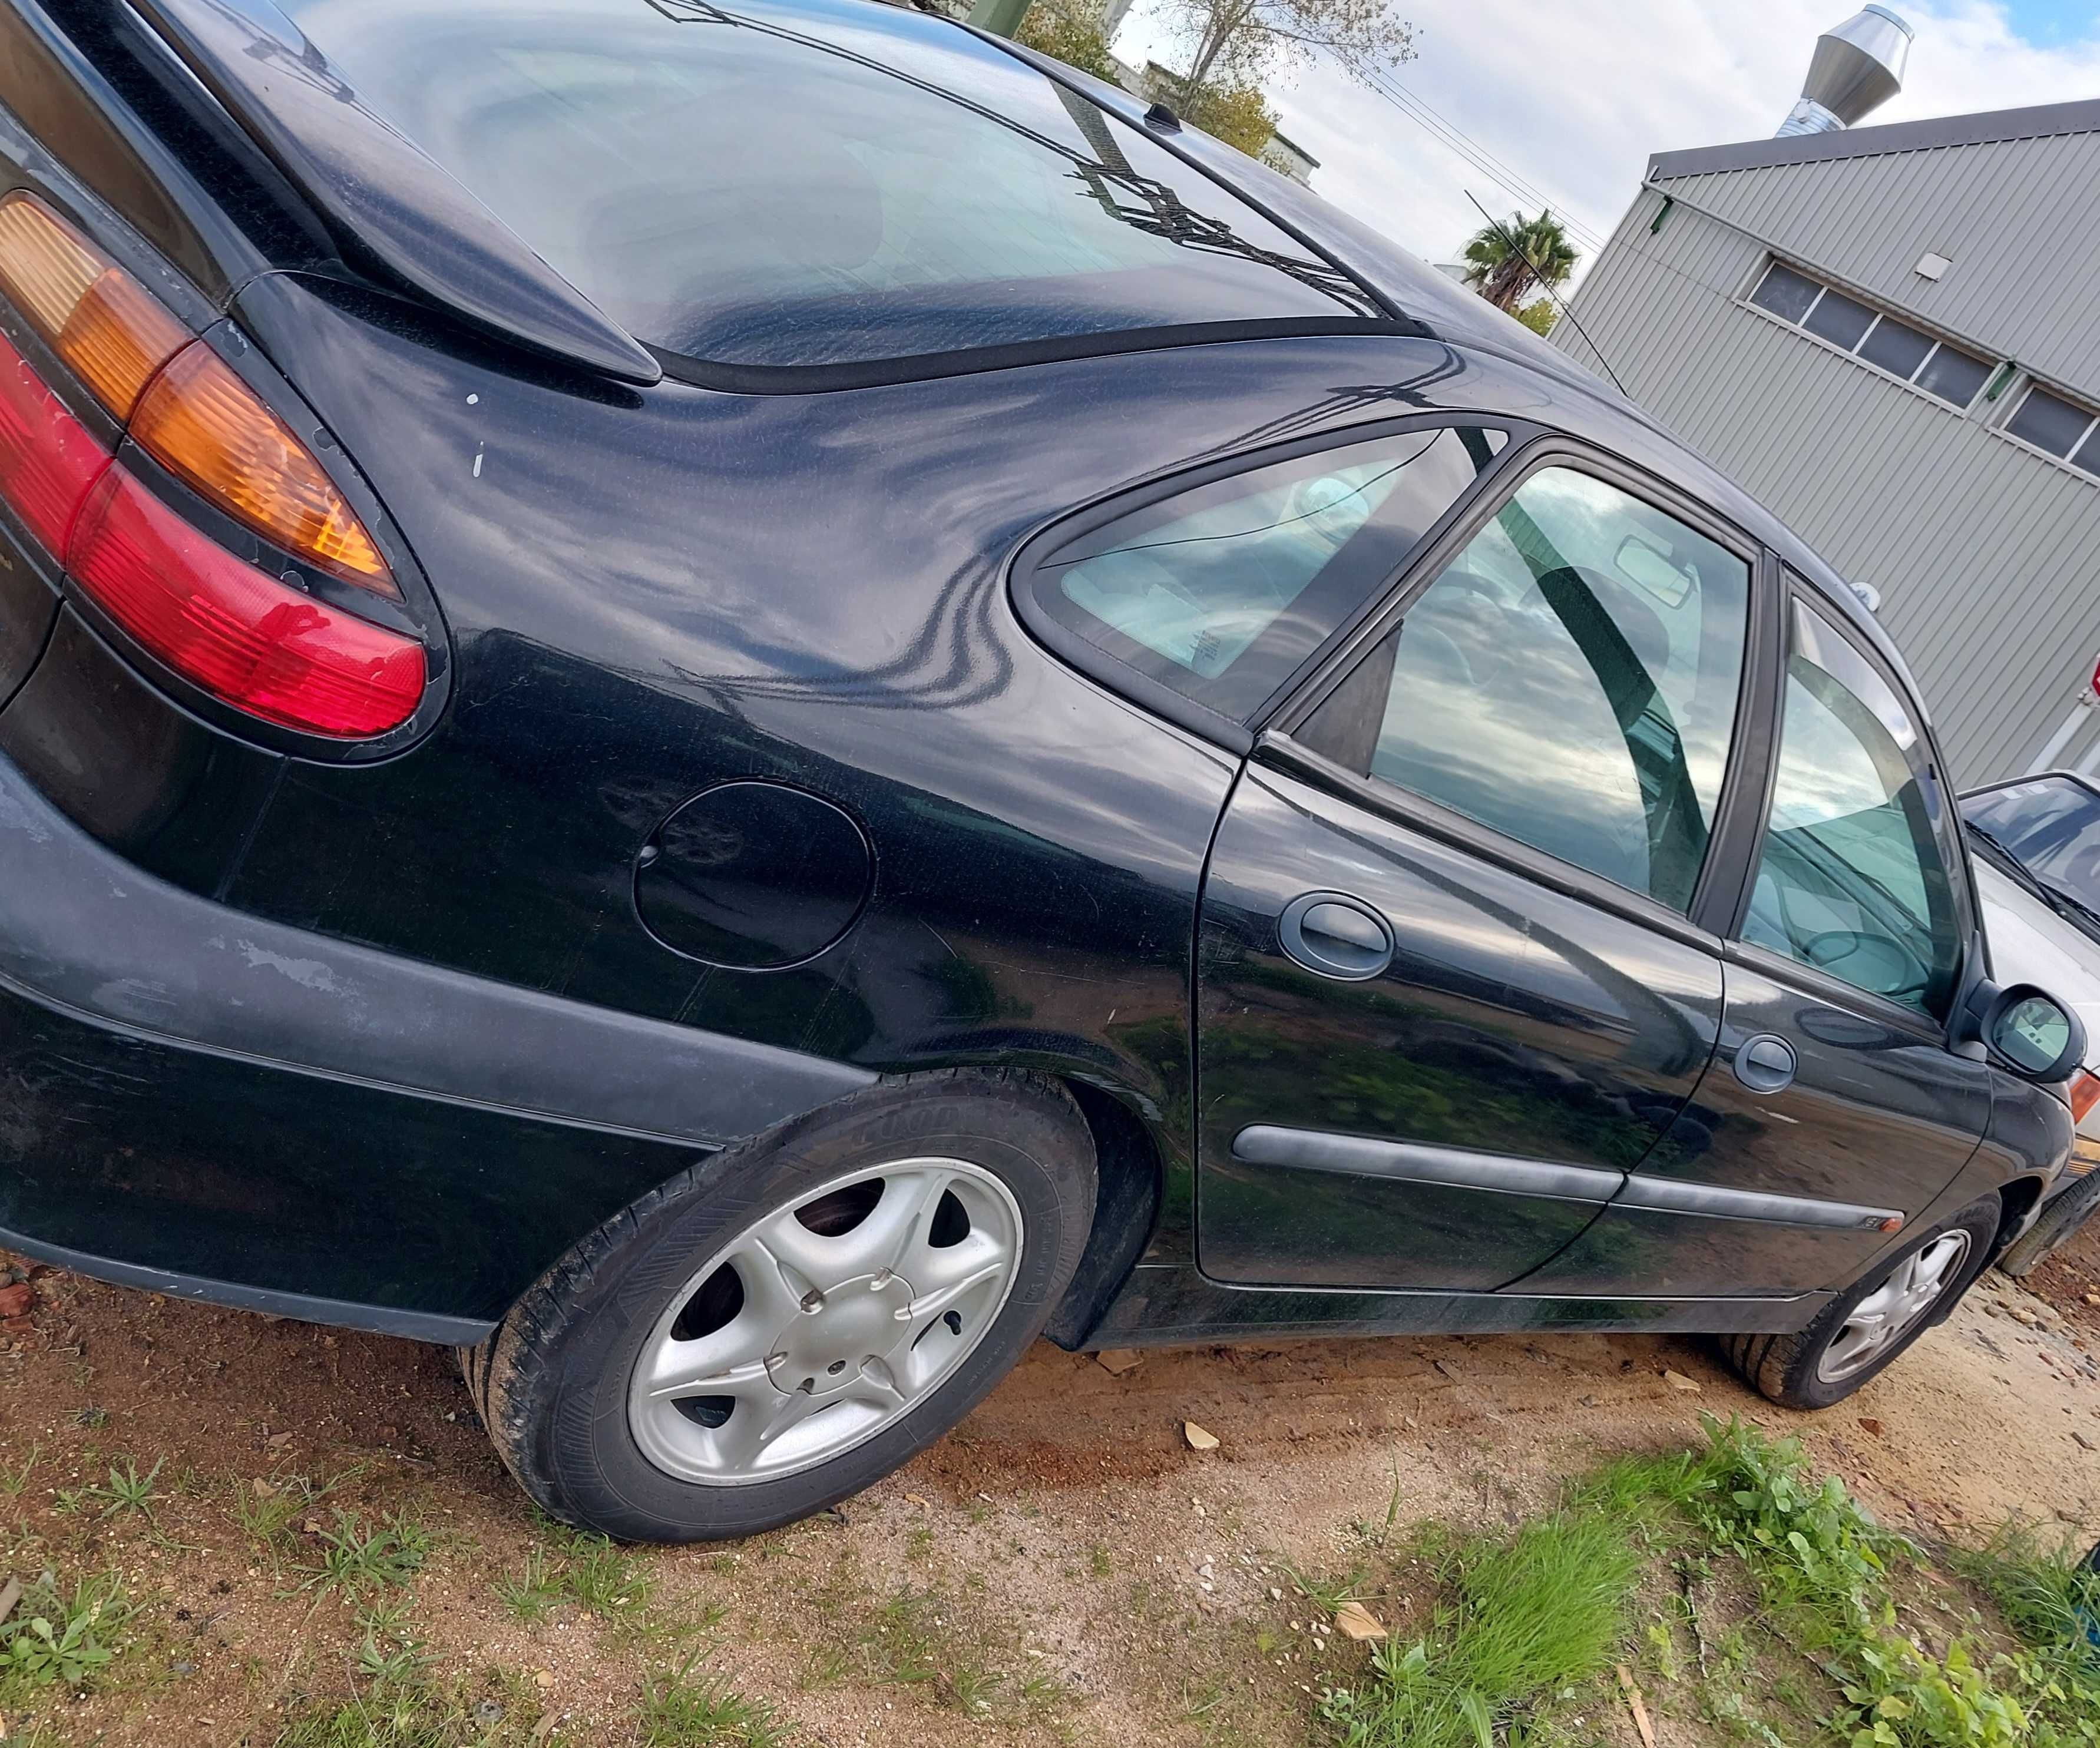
786, 1323
1861, 1332
2056, 1225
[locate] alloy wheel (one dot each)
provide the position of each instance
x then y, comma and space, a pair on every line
1893, 1308
825, 1321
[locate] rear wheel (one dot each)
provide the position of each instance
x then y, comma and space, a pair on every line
783, 1325
1860, 1333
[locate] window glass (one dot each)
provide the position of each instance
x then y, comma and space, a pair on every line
2089, 453
1786, 293
2048, 423
822, 183
2050, 825
1222, 592
1570, 680
1896, 348
1850, 879
1953, 375
1840, 320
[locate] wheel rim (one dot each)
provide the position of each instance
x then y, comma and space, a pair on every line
1893, 1308
825, 1322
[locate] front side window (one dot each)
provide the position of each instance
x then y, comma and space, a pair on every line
1569, 680
1222, 592
1851, 879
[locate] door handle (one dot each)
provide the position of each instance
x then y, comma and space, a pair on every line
1336, 936
1765, 1064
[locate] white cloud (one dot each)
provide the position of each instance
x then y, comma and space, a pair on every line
1574, 98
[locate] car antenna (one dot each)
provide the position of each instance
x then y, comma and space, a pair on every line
1511, 243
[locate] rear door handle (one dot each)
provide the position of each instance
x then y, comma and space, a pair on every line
1336, 934
1765, 1064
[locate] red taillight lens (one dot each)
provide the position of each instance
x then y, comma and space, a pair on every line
242, 637
47, 460
2084, 1092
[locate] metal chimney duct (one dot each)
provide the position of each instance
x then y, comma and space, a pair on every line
1857, 66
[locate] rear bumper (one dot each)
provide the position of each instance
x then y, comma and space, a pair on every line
209, 1104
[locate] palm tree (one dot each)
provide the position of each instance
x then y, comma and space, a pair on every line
1505, 261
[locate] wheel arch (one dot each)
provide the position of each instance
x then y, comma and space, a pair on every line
2018, 1198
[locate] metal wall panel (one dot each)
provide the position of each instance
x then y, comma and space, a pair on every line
1985, 554
2008, 214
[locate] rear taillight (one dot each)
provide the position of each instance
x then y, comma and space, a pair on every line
202, 422
86, 308
2084, 1093
259, 644
48, 461
262, 646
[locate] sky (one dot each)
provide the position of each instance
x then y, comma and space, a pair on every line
1573, 97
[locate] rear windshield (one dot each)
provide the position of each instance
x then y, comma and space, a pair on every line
834, 183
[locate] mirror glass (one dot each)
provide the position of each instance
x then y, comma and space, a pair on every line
2032, 1033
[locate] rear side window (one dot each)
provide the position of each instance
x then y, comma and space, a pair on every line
1221, 592
835, 183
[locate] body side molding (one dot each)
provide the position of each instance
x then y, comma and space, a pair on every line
1315, 1150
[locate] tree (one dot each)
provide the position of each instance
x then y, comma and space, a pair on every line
1239, 42
1506, 260
1538, 316
1238, 114
1072, 31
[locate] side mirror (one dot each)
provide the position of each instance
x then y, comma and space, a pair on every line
2026, 1029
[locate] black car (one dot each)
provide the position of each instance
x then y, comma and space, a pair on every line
735, 704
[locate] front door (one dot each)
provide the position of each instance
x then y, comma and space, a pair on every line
1447, 994
1833, 1111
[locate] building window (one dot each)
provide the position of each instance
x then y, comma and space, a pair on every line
2062, 427
1954, 376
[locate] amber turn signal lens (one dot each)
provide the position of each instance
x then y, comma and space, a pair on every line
2085, 1091
204, 424
111, 333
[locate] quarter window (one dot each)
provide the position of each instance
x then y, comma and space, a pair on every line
1221, 592
1851, 879
1569, 680
1947, 371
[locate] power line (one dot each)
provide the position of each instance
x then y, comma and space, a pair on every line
1451, 134
1454, 138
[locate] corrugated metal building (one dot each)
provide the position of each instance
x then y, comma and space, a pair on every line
1892, 335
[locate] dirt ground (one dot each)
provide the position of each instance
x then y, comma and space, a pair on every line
1063, 1568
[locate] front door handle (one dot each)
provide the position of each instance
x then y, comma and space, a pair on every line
1336, 934
1765, 1064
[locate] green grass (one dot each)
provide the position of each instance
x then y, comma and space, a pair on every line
681, 1709
13, 1480
266, 1507
1532, 1615
498, 1712
128, 1491
59, 1637
355, 1559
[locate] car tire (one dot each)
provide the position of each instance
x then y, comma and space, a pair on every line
1850, 1340
766, 1272
2056, 1222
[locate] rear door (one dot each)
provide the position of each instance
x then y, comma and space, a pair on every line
1834, 1110
1447, 991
